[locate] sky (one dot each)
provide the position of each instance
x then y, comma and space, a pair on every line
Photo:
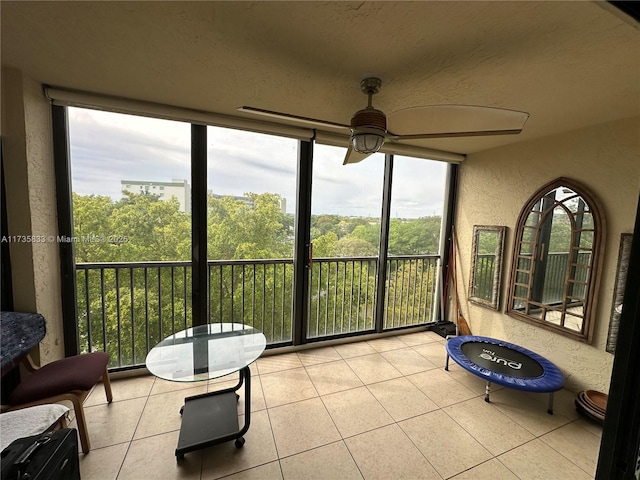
109, 147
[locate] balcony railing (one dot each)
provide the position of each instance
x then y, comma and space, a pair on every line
126, 308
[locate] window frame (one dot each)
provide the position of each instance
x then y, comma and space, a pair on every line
62, 161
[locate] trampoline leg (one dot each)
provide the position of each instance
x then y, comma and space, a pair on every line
446, 365
487, 391
550, 406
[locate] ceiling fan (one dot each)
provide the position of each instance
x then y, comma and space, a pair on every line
371, 128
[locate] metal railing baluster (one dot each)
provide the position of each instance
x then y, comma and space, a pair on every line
408, 295
118, 318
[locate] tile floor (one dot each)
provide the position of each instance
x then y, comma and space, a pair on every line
377, 409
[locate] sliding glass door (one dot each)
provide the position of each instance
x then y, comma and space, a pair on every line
413, 253
251, 204
345, 224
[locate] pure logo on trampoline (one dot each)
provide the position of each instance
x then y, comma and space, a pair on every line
491, 356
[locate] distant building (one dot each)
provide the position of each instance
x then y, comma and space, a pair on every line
163, 190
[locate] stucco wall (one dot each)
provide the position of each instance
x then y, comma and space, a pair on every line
493, 187
31, 205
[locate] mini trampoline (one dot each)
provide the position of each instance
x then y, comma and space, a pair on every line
505, 364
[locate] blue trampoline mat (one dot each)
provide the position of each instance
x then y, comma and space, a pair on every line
505, 363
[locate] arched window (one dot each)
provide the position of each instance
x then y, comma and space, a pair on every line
556, 260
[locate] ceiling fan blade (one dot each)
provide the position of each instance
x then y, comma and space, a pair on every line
440, 121
288, 116
353, 156
454, 134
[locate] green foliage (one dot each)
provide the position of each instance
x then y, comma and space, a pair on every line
369, 236
325, 245
252, 229
414, 237
128, 309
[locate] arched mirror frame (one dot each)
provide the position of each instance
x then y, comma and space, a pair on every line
595, 265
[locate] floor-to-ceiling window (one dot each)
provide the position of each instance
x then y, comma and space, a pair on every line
176, 224
346, 208
251, 204
131, 230
413, 267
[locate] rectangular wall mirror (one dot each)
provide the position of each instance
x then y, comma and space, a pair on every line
486, 265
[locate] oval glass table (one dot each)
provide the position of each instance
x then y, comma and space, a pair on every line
206, 352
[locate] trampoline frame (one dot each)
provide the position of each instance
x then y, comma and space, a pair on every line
550, 381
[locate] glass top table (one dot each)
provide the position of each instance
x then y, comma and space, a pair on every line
203, 353
206, 352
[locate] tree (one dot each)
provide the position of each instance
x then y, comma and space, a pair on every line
129, 308
90, 217
355, 247
414, 237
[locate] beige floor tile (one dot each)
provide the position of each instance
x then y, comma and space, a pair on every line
529, 410
331, 461
154, 458
497, 432
358, 390
287, 386
435, 352
440, 387
259, 448
122, 389
356, 411
436, 337
401, 398
103, 463
373, 368
472, 382
577, 444
232, 378
447, 446
162, 412
113, 423
385, 344
408, 361
269, 471
278, 363
564, 404
315, 356
302, 426
418, 338
387, 453
165, 386
356, 349
257, 397
491, 470
538, 461
591, 425
333, 377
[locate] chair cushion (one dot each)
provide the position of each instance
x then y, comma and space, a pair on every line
80, 372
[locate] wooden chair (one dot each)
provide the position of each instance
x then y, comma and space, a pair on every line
71, 378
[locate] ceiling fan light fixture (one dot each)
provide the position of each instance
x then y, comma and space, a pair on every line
367, 140
368, 129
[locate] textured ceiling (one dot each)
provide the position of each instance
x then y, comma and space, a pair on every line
569, 64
